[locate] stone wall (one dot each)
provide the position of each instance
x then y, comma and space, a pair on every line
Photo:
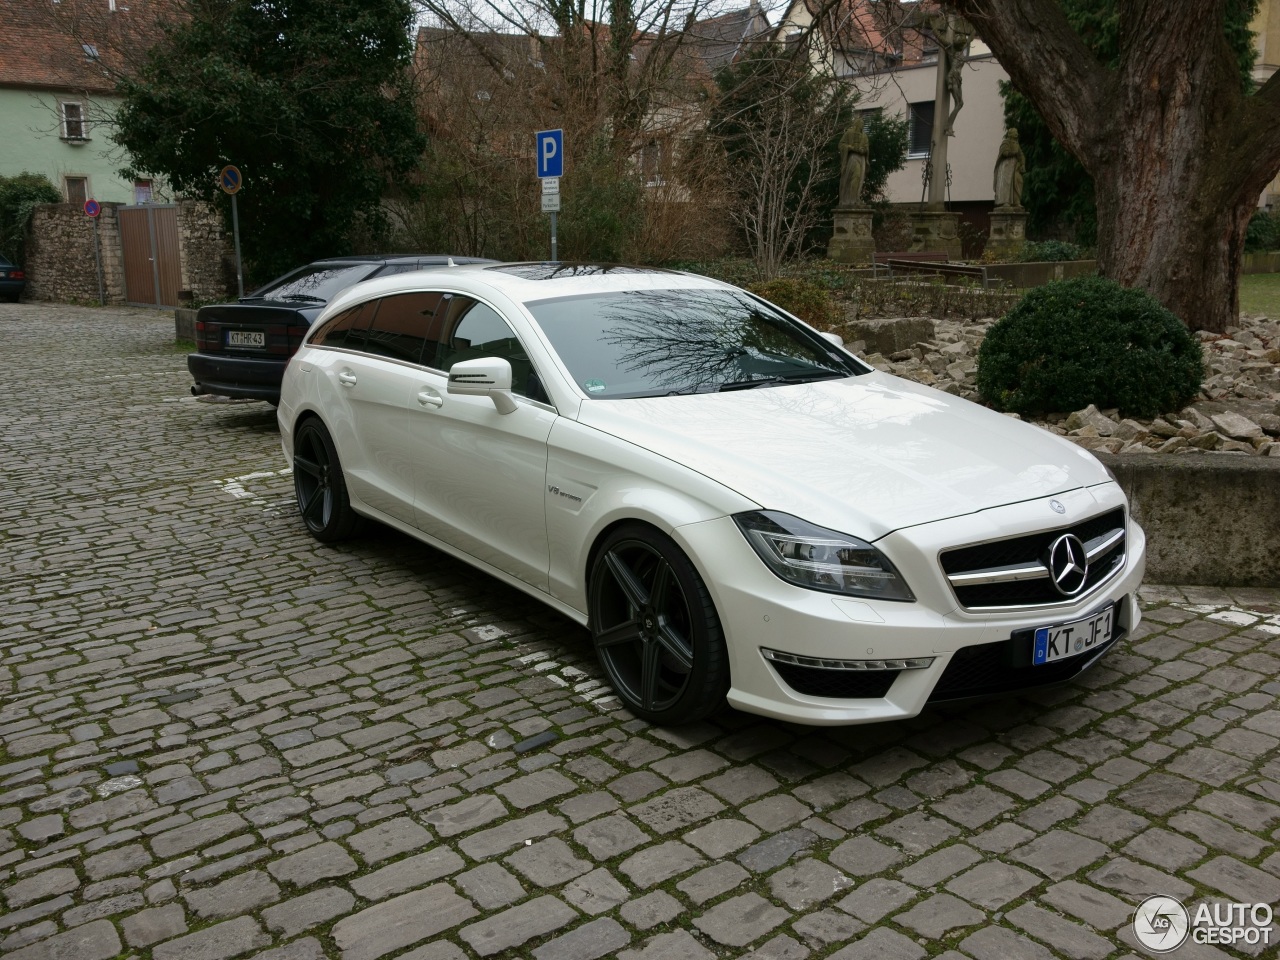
1210, 519
206, 251
60, 261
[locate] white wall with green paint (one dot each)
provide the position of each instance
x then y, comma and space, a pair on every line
31, 140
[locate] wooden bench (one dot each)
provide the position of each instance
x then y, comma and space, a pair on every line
940, 268
932, 256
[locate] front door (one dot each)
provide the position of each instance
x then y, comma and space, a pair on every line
480, 474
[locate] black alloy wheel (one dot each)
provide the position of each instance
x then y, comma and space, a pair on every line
320, 486
655, 628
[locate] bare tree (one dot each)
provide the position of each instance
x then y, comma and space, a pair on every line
1178, 151
628, 83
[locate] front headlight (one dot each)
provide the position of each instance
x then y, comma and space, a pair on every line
821, 559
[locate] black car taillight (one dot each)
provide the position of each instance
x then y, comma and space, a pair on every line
17, 275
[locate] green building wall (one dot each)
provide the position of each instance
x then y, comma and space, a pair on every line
30, 141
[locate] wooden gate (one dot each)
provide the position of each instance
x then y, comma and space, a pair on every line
149, 241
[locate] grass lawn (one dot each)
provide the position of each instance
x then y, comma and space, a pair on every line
1260, 293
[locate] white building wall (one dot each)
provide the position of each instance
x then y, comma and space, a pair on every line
972, 152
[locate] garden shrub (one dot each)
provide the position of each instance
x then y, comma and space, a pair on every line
1263, 233
1089, 340
1049, 250
801, 298
19, 196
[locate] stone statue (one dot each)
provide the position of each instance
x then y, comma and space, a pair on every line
855, 149
1010, 166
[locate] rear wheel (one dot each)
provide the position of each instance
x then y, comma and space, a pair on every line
655, 628
320, 486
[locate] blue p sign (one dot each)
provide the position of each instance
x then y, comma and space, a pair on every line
550, 153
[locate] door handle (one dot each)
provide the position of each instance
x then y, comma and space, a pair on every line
346, 378
429, 398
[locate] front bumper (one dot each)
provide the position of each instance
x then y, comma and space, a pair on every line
763, 615
243, 378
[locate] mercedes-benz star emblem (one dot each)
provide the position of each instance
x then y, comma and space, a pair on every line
1057, 507
1068, 565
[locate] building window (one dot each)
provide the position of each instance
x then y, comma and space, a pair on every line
920, 129
77, 189
74, 127
142, 191
651, 164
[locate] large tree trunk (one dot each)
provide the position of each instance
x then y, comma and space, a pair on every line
1177, 152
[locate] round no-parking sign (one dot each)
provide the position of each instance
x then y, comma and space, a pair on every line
92, 208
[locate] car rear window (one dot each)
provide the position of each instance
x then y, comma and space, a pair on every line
646, 343
317, 282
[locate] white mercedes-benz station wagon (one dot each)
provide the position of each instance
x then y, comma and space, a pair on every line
730, 502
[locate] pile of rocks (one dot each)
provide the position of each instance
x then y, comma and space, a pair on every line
1238, 411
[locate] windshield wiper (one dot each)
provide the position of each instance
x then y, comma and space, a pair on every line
304, 296
693, 388
775, 381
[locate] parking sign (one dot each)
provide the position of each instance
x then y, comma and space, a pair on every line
550, 153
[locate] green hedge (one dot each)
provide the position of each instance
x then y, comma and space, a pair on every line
1089, 340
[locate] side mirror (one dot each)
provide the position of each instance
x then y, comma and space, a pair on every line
485, 377
835, 338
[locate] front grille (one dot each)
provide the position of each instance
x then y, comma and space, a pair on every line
1014, 572
836, 684
1005, 666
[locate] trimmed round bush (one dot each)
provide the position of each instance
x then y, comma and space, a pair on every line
1075, 342
800, 298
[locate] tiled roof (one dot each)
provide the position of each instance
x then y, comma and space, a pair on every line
70, 44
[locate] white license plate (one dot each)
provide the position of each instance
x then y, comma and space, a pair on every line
246, 338
1072, 639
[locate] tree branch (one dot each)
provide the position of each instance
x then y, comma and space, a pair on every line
1046, 60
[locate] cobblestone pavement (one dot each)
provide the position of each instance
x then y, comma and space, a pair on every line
222, 739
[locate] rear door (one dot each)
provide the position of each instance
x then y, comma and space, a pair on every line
373, 377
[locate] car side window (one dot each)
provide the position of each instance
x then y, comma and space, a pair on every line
471, 330
403, 324
346, 329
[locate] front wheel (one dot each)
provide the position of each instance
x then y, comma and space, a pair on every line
655, 628
320, 486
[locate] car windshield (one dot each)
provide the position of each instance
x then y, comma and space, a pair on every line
649, 343
316, 283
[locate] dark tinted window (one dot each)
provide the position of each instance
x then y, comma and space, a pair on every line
346, 329
402, 325
655, 342
472, 330
316, 283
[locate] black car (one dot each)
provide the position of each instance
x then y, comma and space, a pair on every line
12, 280
243, 347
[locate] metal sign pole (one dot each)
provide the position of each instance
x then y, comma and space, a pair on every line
235, 231
97, 259
553, 238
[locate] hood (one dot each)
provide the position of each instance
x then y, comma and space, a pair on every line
865, 455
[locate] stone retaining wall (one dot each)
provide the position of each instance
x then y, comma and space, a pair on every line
60, 261
1211, 519
205, 246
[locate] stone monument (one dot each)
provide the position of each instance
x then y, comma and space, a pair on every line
933, 226
1009, 219
851, 240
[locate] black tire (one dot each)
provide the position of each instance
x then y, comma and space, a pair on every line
320, 486
655, 628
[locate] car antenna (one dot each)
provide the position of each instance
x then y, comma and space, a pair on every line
451, 263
